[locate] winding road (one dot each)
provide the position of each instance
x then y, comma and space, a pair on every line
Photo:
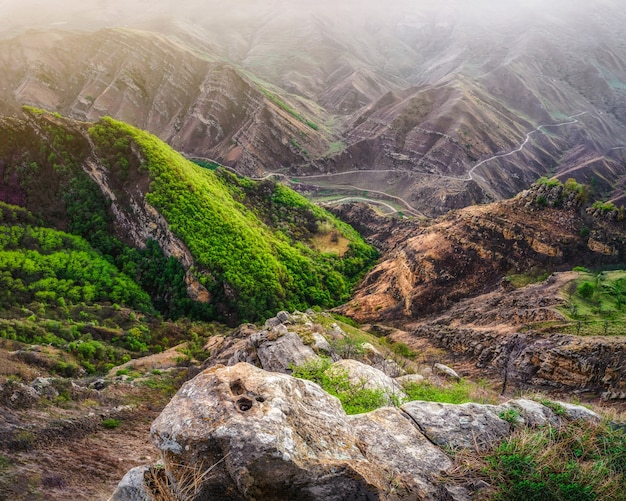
521, 147
573, 119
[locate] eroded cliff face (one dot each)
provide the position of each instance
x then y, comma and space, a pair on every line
428, 267
492, 329
135, 220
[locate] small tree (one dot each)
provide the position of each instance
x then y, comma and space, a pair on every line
586, 290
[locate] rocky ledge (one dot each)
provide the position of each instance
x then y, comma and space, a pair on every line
249, 430
243, 433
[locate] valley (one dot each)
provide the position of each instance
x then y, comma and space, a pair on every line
439, 121
281, 251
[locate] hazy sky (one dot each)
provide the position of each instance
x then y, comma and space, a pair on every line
19, 14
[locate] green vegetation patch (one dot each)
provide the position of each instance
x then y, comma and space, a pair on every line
577, 461
111, 423
252, 267
596, 303
41, 264
519, 280
456, 393
355, 399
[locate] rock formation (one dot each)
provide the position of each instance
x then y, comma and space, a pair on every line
426, 268
242, 433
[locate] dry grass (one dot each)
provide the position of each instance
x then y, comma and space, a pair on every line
331, 243
573, 461
178, 482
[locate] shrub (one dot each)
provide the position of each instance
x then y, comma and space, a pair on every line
111, 423
586, 290
550, 182
355, 399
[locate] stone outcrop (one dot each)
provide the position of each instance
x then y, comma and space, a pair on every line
282, 353
275, 348
465, 426
271, 436
242, 433
393, 442
365, 376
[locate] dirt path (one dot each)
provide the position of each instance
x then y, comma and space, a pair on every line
412, 210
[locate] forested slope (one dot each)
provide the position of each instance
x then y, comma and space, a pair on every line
201, 243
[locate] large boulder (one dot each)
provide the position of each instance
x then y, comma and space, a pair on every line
365, 376
466, 426
245, 433
412, 461
273, 348
283, 352
529, 413
265, 436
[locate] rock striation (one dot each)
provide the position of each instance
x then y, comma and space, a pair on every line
427, 268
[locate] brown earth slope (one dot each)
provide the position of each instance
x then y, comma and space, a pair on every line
187, 97
428, 267
492, 330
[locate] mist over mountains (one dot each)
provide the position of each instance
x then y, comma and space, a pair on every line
437, 104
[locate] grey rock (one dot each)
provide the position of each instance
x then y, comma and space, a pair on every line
300, 318
266, 436
368, 348
279, 330
531, 413
391, 439
284, 317
466, 426
132, 486
336, 332
232, 349
373, 356
44, 387
242, 354
576, 412
614, 395
323, 347
390, 367
410, 379
251, 434
272, 322
279, 355
364, 376
446, 371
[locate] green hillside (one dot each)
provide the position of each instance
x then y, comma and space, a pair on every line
258, 247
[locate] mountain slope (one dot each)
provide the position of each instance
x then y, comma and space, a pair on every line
440, 105
244, 249
429, 266
186, 96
